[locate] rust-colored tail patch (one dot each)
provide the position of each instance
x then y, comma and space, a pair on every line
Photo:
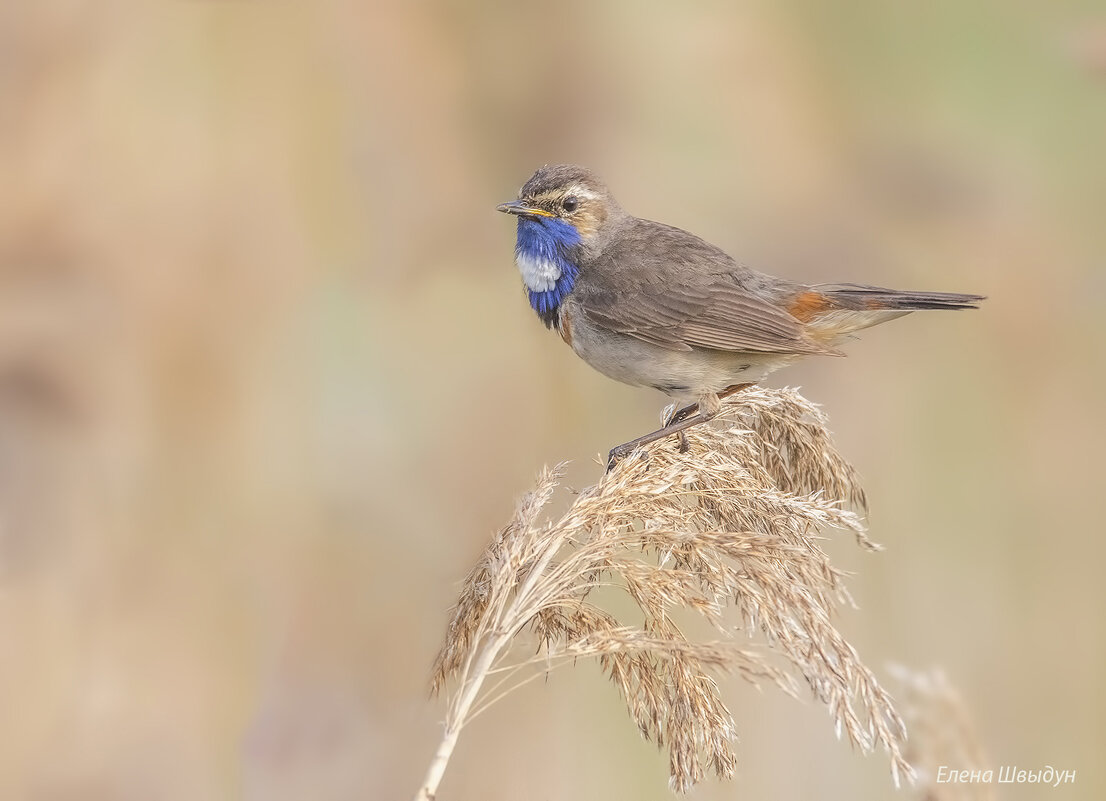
808, 305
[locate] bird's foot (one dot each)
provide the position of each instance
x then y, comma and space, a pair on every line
618, 453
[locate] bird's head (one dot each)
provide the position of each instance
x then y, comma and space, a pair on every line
564, 195
563, 212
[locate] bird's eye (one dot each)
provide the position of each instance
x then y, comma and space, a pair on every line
570, 203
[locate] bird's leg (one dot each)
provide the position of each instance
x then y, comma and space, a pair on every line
707, 409
692, 408
625, 449
673, 415
682, 414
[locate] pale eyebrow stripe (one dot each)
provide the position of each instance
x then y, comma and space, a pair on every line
576, 189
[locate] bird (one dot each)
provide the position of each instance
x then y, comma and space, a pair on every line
652, 305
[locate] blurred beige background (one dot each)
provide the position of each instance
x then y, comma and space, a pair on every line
268, 380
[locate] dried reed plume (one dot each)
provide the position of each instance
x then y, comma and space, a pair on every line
734, 521
942, 734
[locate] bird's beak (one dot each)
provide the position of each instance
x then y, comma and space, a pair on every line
521, 209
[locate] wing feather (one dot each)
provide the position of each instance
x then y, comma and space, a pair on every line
669, 288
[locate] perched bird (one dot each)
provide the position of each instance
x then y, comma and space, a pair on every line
653, 305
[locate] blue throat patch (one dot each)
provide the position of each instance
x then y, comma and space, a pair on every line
552, 240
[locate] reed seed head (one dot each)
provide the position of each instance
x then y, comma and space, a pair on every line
729, 532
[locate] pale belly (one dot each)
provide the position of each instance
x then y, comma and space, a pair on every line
685, 374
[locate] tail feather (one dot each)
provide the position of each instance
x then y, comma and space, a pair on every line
832, 312
860, 297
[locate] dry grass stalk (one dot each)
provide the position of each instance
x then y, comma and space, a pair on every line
733, 522
942, 734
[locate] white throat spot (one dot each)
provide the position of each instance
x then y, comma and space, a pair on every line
539, 275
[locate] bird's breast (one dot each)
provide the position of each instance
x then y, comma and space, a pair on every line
539, 272
544, 254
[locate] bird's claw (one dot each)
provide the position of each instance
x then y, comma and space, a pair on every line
616, 455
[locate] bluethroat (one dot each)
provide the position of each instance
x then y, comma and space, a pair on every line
652, 305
